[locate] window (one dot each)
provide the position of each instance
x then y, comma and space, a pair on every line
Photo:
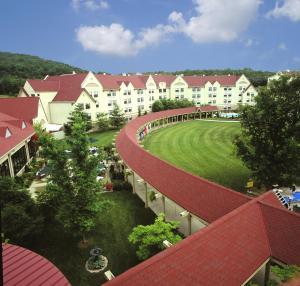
95, 93
210, 88
198, 102
225, 95
164, 90
194, 89
23, 125
229, 95
87, 106
140, 91
160, 97
33, 95
229, 101
209, 102
109, 103
214, 89
160, 90
182, 89
198, 89
210, 95
214, 95
182, 96
240, 88
198, 95
194, 96
225, 100
97, 104
248, 94
214, 101
177, 90
225, 88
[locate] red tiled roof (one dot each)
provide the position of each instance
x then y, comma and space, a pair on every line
25, 108
23, 267
208, 108
44, 85
17, 133
187, 190
224, 80
168, 79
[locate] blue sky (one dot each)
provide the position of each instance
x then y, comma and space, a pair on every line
150, 35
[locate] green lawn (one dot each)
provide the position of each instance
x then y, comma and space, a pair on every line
203, 148
103, 138
111, 235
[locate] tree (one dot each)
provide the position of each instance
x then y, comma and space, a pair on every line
102, 121
157, 106
73, 189
269, 143
149, 238
78, 111
20, 216
117, 119
286, 272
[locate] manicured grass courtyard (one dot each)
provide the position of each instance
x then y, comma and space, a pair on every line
102, 139
111, 235
203, 148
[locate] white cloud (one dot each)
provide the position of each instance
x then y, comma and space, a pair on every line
92, 5
249, 43
217, 20
118, 41
286, 8
282, 46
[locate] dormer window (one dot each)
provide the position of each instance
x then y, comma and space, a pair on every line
7, 133
24, 125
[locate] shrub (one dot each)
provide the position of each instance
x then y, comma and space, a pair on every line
152, 196
285, 272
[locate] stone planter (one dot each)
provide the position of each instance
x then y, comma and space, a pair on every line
96, 270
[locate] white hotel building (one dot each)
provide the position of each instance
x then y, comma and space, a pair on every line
100, 92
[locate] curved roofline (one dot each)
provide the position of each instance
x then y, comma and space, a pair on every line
207, 200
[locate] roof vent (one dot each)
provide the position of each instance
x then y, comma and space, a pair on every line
73, 72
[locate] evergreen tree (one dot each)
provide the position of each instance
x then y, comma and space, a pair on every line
270, 140
102, 121
73, 190
78, 111
117, 118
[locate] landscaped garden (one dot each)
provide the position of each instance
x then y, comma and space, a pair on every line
111, 235
202, 148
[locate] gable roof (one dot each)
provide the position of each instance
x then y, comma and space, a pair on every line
69, 86
243, 235
44, 85
224, 80
113, 82
24, 267
25, 108
168, 79
18, 134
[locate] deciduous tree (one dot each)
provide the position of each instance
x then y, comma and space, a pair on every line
270, 140
149, 238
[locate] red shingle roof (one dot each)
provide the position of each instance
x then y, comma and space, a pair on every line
23, 267
227, 252
168, 79
187, 190
113, 82
44, 85
25, 108
18, 134
69, 86
224, 80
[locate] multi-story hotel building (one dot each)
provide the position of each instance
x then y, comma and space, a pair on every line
100, 92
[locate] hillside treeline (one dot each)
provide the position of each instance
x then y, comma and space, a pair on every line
16, 68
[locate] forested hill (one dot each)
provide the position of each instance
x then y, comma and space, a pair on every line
16, 68
257, 78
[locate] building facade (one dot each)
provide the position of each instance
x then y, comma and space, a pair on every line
99, 93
